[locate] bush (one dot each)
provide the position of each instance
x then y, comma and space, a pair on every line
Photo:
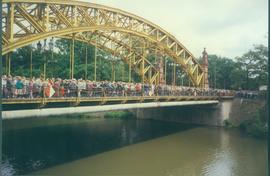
119, 114
228, 124
255, 126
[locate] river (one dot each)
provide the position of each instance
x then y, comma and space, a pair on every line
97, 146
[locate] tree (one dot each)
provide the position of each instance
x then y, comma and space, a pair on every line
254, 64
223, 73
245, 72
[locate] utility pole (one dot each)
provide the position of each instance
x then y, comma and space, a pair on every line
8, 63
113, 71
86, 64
215, 76
95, 72
31, 63
142, 66
165, 71
123, 71
44, 59
130, 59
182, 81
174, 73
72, 57
129, 70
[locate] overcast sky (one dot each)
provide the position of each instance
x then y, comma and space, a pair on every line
225, 27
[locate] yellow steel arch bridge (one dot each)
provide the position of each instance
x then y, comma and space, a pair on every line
123, 34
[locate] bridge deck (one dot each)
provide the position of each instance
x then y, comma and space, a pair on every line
104, 100
55, 111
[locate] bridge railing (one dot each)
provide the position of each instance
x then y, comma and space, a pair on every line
251, 94
65, 92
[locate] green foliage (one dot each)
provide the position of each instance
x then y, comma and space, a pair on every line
222, 72
254, 65
245, 72
256, 126
228, 124
58, 62
119, 114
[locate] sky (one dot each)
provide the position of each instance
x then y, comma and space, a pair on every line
226, 28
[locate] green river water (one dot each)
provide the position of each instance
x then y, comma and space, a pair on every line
127, 147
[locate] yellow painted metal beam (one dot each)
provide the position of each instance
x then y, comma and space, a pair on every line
62, 18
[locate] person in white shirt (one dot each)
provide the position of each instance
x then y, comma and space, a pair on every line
4, 86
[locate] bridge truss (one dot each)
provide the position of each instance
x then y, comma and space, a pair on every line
123, 34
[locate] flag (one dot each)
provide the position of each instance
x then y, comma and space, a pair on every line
49, 91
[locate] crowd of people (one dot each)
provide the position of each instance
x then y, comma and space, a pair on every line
247, 94
22, 87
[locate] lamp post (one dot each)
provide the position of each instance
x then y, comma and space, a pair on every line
71, 56
112, 73
113, 60
39, 47
129, 70
86, 64
95, 65
165, 70
123, 71
42, 51
45, 60
52, 61
51, 49
173, 72
181, 75
100, 66
8, 63
215, 73
31, 62
20, 57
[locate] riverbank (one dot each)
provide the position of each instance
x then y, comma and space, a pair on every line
253, 125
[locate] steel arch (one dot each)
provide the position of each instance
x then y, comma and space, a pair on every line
27, 21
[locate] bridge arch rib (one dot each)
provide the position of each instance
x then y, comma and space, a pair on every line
27, 21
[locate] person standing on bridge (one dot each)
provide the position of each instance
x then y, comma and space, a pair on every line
31, 88
9, 87
62, 88
81, 87
13, 87
25, 87
56, 87
19, 87
4, 86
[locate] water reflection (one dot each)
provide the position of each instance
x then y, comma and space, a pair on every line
234, 156
33, 148
6, 167
220, 161
200, 151
222, 164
